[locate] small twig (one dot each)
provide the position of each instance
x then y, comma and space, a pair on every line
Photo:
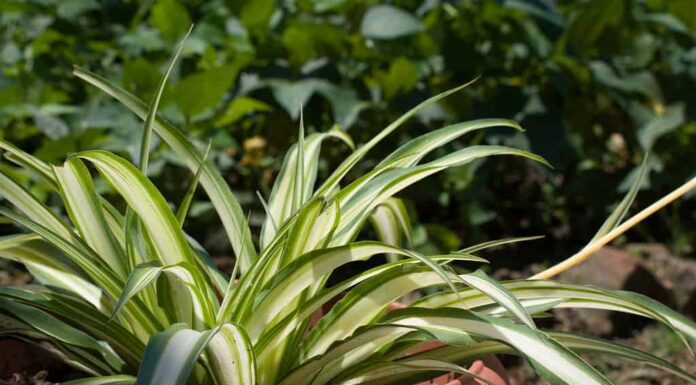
593, 247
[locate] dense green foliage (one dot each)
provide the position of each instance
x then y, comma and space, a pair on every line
597, 84
127, 296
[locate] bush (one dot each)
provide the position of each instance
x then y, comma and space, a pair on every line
599, 84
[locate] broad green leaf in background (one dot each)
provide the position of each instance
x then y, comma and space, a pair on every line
71, 9
203, 90
171, 18
326, 5
384, 22
293, 95
660, 125
240, 107
53, 126
594, 18
345, 102
684, 10
643, 82
254, 14
401, 77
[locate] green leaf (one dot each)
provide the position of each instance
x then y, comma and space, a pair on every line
497, 242
255, 15
575, 296
188, 197
594, 18
154, 105
358, 206
684, 10
203, 90
402, 77
171, 18
661, 125
105, 380
79, 314
308, 231
489, 286
298, 197
583, 344
231, 354
92, 265
138, 279
302, 273
378, 372
335, 178
72, 246
240, 107
218, 191
384, 22
54, 328
576, 343
326, 5
144, 155
168, 240
622, 208
187, 296
554, 362
85, 210
292, 95
144, 198
27, 160
280, 208
365, 342
272, 336
49, 266
365, 304
30, 206
171, 355
643, 82
390, 221
416, 149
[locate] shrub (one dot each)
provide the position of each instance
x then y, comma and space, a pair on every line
598, 85
127, 293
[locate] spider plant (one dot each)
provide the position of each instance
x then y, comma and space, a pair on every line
127, 296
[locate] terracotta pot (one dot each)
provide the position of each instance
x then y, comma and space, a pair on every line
488, 367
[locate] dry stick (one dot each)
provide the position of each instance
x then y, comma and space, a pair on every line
593, 247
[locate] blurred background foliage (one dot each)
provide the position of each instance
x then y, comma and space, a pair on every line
597, 84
